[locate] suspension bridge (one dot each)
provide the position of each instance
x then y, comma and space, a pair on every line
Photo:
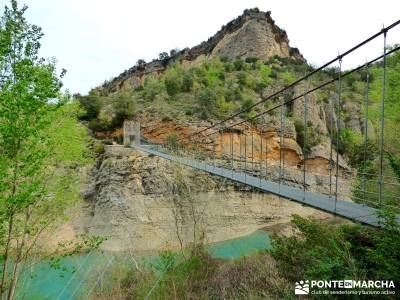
203, 150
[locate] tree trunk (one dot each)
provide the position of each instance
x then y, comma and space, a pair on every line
5, 263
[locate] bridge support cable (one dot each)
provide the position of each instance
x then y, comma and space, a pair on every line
339, 110
252, 151
330, 165
381, 145
222, 147
240, 152
261, 158
280, 146
232, 151
245, 156
365, 130
266, 158
305, 147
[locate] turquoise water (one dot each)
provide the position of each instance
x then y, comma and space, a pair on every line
76, 275
68, 280
242, 246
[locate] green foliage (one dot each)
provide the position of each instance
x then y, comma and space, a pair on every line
287, 77
187, 82
172, 141
353, 145
313, 136
200, 277
394, 163
41, 144
91, 105
151, 88
173, 80
207, 100
239, 64
321, 253
98, 148
98, 125
328, 252
123, 109
246, 80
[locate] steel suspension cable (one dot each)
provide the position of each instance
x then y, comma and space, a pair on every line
339, 104
305, 147
261, 157
366, 127
382, 120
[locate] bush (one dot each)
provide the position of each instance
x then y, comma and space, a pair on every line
207, 100
123, 109
353, 146
242, 78
328, 252
251, 60
98, 148
172, 141
320, 252
91, 105
187, 82
238, 64
313, 137
224, 58
99, 125
151, 88
172, 81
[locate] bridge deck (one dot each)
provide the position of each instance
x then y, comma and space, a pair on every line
349, 210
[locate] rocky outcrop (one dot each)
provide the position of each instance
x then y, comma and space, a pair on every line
253, 34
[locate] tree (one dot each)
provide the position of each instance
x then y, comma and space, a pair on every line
33, 144
163, 56
173, 52
141, 64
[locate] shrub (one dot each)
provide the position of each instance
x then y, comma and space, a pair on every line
242, 78
98, 148
172, 141
251, 60
238, 64
151, 88
328, 252
224, 58
313, 137
187, 82
320, 252
352, 144
123, 108
91, 105
394, 163
99, 125
172, 81
288, 77
207, 100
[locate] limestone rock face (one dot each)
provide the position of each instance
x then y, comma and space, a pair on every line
254, 39
138, 202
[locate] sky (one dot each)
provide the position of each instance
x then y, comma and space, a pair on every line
96, 40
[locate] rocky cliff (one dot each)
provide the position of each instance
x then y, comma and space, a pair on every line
144, 203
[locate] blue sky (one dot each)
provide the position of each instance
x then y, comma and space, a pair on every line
96, 40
